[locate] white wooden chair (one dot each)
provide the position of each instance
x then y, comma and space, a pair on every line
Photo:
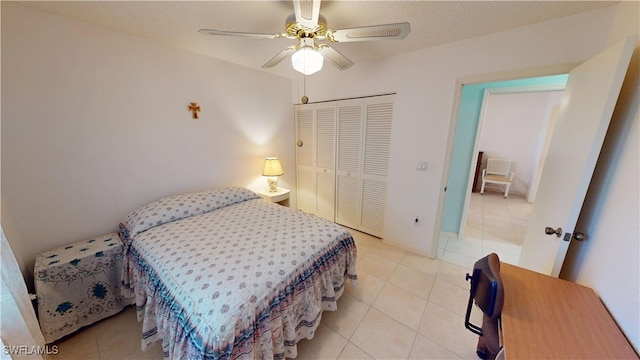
497, 172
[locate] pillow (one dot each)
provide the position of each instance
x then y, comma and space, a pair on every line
181, 206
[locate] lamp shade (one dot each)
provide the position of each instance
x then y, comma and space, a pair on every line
307, 60
272, 167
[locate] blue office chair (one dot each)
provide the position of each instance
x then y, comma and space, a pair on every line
488, 293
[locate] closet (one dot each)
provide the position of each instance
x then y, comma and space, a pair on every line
315, 158
342, 160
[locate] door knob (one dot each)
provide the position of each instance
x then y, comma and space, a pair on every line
299, 143
551, 231
579, 236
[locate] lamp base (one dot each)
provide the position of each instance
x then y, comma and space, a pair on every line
273, 183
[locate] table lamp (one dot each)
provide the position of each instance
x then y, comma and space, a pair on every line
272, 169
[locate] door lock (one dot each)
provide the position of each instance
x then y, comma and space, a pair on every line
579, 236
551, 231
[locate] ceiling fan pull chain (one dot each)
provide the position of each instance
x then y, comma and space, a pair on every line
304, 98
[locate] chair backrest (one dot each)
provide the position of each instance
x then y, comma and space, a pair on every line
498, 166
486, 290
488, 293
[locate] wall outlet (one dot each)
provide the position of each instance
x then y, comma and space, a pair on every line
421, 166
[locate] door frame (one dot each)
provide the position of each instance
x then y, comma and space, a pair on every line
485, 97
550, 70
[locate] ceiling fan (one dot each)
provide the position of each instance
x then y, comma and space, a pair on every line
308, 27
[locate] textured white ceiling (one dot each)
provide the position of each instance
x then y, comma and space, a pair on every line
432, 23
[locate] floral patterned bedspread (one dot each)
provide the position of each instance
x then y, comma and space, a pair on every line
248, 279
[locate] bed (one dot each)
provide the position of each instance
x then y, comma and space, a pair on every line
223, 274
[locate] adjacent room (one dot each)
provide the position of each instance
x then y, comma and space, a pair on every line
515, 125
355, 178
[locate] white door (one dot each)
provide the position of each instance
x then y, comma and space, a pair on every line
325, 160
375, 163
348, 162
589, 99
306, 182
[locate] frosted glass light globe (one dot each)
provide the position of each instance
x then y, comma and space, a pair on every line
307, 60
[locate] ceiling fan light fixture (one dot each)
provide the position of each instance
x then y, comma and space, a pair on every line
307, 60
308, 27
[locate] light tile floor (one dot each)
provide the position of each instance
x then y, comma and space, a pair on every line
405, 307
494, 224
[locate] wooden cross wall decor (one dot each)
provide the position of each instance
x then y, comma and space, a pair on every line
194, 108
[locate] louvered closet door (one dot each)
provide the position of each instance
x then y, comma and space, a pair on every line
325, 120
305, 170
350, 118
377, 145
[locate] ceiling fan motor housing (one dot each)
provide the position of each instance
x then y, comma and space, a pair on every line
297, 30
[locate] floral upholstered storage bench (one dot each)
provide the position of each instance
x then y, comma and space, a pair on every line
79, 284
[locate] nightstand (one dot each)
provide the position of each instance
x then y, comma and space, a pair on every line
281, 196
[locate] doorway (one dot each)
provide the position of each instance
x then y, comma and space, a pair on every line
515, 124
499, 119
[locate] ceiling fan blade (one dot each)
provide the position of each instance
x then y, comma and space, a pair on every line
307, 12
243, 34
279, 57
368, 33
339, 60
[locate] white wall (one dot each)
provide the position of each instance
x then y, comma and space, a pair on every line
426, 84
95, 124
513, 126
609, 261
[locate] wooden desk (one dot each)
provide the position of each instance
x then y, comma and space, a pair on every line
549, 318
